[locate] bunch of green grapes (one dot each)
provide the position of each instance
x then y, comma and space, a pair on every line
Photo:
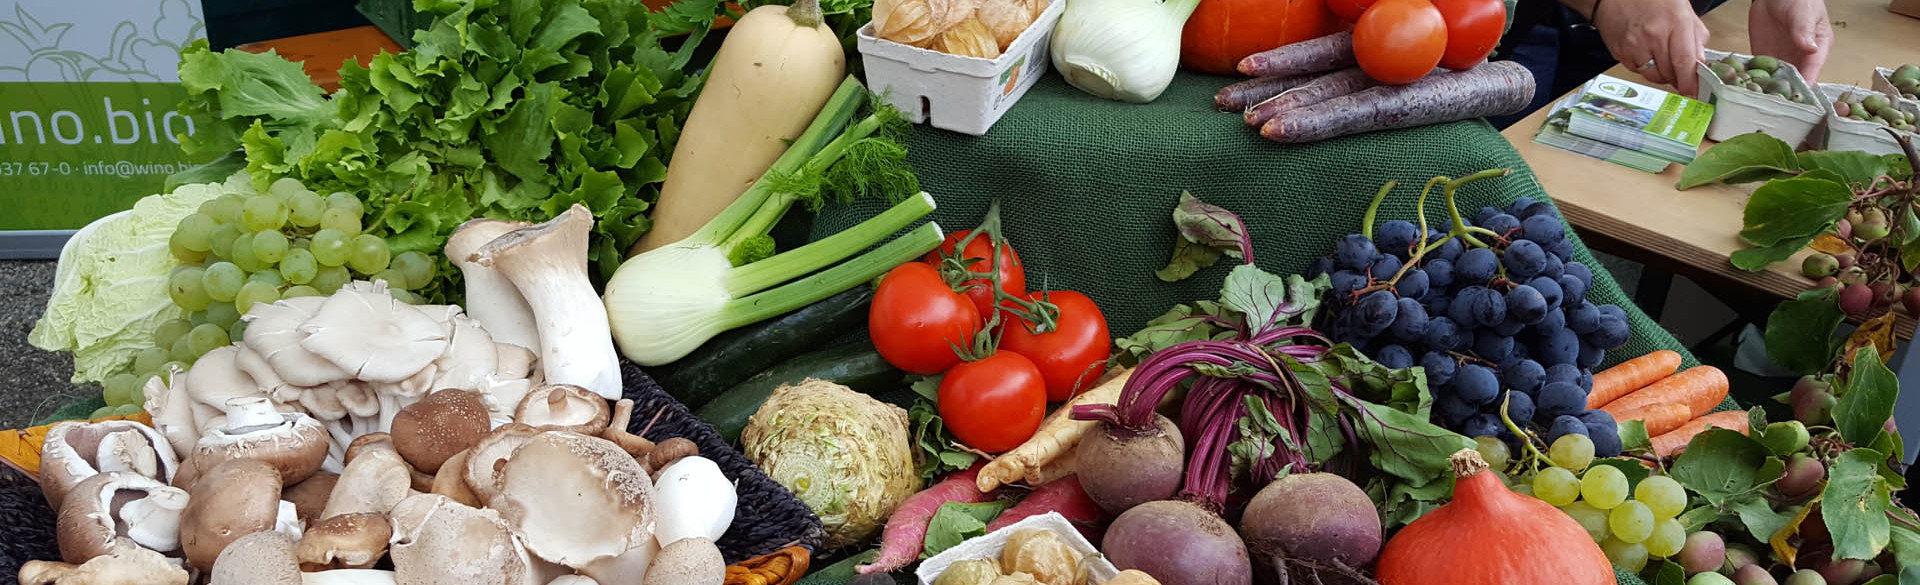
1632, 523
247, 247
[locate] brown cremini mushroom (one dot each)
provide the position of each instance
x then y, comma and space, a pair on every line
310, 497
574, 499
347, 541
361, 443
438, 540
260, 558
76, 450
237, 498
293, 443
118, 510
427, 432
563, 407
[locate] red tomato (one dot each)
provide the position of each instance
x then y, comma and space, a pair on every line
1473, 29
1399, 41
1013, 278
1071, 356
916, 320
1349, 10
993, 404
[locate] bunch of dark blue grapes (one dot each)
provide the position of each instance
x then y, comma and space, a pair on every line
1506, 325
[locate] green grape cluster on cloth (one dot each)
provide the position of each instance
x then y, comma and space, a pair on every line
246, 247
1632, 523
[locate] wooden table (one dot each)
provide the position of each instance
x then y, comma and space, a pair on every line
1640, 216
321, 53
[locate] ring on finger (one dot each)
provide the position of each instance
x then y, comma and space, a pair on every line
1646, 66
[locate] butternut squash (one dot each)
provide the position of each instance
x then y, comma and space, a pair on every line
770, 78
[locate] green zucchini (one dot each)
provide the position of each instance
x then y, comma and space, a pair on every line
854, 365
730, 358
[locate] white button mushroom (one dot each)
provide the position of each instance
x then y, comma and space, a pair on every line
547, 263
573, 499
116, 510
696, 500
76, 450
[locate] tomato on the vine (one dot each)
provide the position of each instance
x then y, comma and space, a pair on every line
995, 403
978, 258
917, 320
1399, 41
1349, 10
1071, 356
1473, 29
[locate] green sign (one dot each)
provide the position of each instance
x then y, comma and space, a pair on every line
87, 95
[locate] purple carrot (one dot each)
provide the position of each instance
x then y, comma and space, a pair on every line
1326, 53
1321, 89
1492, 89
1245, 94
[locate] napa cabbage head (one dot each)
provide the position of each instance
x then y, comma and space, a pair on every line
110, 289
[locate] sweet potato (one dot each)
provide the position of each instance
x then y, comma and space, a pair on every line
1492, 89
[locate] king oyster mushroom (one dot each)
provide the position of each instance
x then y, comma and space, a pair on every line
491, 298
576, 500
116, 510
547, 263
438, 540
234, 499
563, 407
446, 422
76, 450
293, 443
126, 566
347, 541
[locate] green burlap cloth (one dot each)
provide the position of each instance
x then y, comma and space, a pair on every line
1086, 189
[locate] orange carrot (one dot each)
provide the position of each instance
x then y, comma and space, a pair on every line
1700, 389
1675, 441
1660, 417
1633, 374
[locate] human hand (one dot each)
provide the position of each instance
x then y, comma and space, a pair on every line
1795, 31
1665, 32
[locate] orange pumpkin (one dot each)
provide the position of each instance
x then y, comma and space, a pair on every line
1222, 32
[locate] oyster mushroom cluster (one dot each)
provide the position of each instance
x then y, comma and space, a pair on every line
346, 364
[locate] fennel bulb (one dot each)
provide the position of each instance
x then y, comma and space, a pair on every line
663, 303
1125, 50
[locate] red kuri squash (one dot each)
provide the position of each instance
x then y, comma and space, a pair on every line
1489, 534
1222, 32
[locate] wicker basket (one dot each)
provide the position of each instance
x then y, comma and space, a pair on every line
769, 517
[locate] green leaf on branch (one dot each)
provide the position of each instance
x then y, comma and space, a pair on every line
1909, 226
1898, 168
1720, 464
1634, 439
1758, 259
1864, 408
1759, 517
1206, 232
1904, 540
1797, 208
1800, 333
1854, 505
1743, 159
1664, 573
1851, 167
